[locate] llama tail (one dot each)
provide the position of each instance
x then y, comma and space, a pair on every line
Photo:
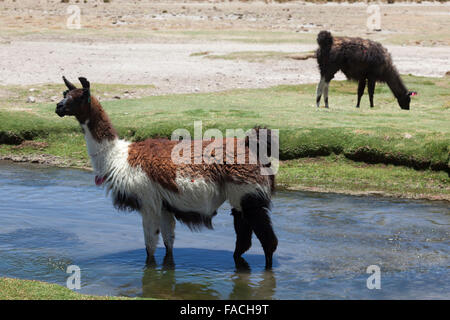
325, 41
258, 133
264, 138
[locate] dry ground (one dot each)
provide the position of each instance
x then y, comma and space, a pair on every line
151, 42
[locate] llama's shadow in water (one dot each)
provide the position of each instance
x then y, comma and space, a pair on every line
188, 259
209, 259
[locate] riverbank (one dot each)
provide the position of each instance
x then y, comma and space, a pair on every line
331, 174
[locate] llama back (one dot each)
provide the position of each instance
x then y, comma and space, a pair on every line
370, 54
219, 161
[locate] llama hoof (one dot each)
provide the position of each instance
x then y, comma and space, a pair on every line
241, 264
357, 107
168, 262
150, 261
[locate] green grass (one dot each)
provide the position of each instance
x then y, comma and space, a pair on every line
418, 138
338, 174
17, 289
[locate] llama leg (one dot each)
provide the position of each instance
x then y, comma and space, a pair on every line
150, 223
255, 212
361, 87
168, 235
243, 239
325, 93
371, 89
319, 91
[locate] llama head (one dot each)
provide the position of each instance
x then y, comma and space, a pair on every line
405, 100
76, 102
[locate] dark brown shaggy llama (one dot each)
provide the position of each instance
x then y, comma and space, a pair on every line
362, 60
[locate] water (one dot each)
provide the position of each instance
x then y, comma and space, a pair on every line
51, 218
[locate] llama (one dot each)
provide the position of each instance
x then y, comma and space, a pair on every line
359, 59
141, 176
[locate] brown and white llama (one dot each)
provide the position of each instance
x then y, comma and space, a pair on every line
141, 176
363, 60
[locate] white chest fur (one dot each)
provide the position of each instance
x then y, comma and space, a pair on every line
109, 159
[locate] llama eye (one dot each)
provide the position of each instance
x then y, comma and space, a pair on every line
65, 93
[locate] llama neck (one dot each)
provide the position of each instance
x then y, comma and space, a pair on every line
98, 122
395, 83
100, 135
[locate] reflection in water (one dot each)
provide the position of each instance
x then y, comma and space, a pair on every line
246, 288
326, 243
163, 283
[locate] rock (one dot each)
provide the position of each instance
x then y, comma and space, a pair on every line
32, 89
31, 99
117, 97
54, 98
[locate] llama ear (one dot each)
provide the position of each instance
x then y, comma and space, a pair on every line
86, 86
412, 93
84, 82
69, 84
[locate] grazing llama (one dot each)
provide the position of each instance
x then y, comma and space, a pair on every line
361, 60
141, 176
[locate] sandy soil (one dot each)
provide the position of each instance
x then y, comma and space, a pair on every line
118, 43
172, 70
400, 18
